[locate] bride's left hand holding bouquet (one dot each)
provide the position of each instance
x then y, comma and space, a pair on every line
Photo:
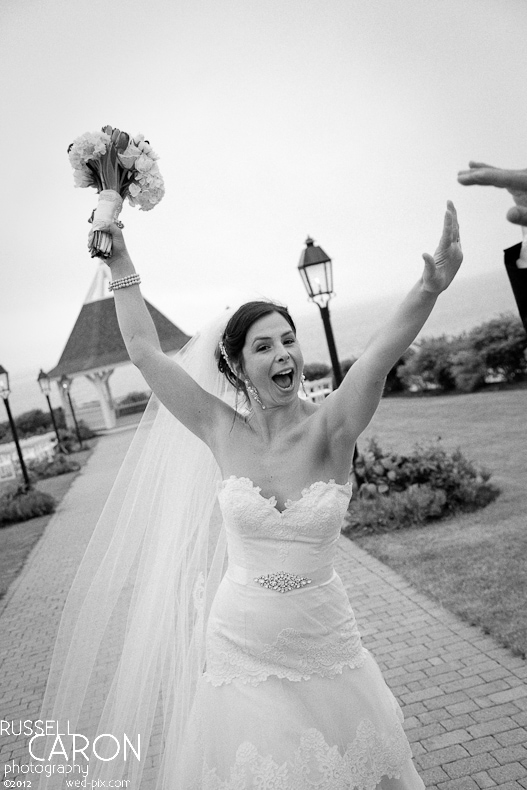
118, 166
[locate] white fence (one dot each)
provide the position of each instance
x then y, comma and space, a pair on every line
35, 448
318, 390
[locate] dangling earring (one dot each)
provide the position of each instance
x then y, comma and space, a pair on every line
254, 392
303, 378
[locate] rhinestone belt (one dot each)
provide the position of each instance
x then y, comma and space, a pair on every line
282, 581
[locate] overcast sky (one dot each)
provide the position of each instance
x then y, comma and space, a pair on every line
344, 119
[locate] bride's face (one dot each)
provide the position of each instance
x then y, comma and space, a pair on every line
272, 359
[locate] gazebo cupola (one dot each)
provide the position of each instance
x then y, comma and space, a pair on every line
95, 346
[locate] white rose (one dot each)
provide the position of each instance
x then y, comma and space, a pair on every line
129, 156
143, 163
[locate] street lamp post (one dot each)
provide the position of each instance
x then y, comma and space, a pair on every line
45, 387
5, 392
65, 383
316, 270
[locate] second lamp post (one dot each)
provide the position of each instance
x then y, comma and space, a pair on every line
65, 383
44, 383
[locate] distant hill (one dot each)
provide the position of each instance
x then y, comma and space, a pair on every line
469, 302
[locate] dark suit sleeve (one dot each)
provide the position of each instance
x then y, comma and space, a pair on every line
518, 280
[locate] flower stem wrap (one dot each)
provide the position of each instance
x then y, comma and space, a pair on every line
108, 209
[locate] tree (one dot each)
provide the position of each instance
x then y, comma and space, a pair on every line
430, 365
502, 345
394, 380
32, 422
469, 369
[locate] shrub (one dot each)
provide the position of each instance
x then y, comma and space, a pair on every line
60, 465
134, 397
21, 505
316, 370
400, 490
415, 506
68, 438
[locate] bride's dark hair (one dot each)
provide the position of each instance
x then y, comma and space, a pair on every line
233, 338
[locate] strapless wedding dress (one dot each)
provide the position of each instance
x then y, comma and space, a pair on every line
290, 699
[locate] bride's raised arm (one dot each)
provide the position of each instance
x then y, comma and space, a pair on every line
196, 408
350, 408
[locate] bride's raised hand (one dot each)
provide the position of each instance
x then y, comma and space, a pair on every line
441, 269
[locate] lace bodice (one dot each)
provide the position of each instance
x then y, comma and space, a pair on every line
303, 535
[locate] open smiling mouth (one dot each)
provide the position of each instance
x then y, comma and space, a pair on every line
284, 380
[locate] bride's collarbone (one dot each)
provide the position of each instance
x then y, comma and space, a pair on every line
283, 469
293, 442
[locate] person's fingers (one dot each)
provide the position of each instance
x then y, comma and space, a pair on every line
455, 222
430, 270
494, 176
448, 224
513, 179
483, 176
473, 164
430, 264
517, 215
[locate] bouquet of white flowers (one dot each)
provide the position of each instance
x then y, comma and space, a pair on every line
118, 166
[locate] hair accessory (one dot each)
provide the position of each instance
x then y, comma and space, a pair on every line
226, 358
124, 282
254, 392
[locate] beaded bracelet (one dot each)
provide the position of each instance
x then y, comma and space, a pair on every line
124, 282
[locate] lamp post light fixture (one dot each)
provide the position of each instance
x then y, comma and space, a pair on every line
316, 270
5, 392
44, 383
65, 383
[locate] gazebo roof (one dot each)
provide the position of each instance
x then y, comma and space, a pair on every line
95, 342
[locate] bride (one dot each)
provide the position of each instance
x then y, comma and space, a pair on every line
207, 606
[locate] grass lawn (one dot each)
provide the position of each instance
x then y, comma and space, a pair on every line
476, 564
17, 540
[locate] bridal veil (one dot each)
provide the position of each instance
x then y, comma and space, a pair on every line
130, 646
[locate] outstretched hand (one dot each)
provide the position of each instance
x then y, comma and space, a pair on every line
514, 181
441, 269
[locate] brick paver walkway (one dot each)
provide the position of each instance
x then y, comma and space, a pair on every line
464, 697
